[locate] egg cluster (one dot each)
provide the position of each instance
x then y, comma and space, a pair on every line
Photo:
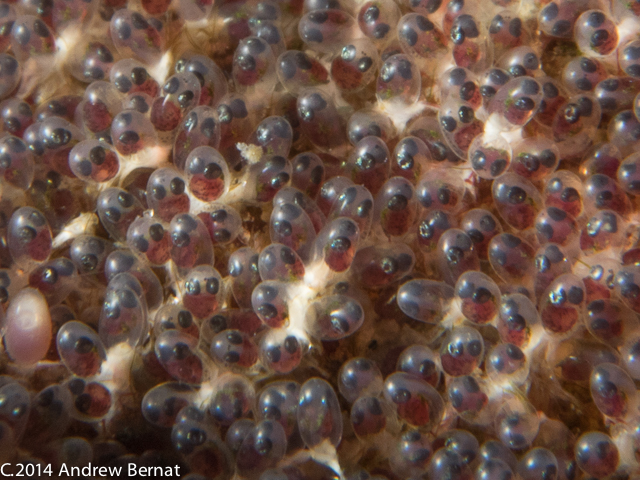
317, 239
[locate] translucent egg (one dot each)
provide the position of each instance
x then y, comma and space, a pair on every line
595, 33
551, 262
455, 255
512, 258
334, 317
446, 463
369, 163
190, 242
177, 353
319, 119
425, 300
368, 416
489, 157
538, 463
269, 300
420, 37
89, 253
480, 296
296, 70
199, 128
132, 132
279, 262
517, 200
124, 261
233, 399
596, 454
149, 236
291, 226
462, 351
80, 348
565, 190
368, 122
414, 400
175, 317
202, 291
30, 35
516, 423
237, 433
92, 401
234, 349
396, 206
378, 20
355, 203
243, 270
398, 81
356, 66
262, 448
93, 160
459, 125
377, 266
422, 362
15, 407
161, 404
325, 30
481, 226
29, 237
117, 209
357, 377
281, 350
468, 397
278, 401
612, 390
319, 417
135, 36
507, 361
124, 312
253, 65
516, 102
16, 162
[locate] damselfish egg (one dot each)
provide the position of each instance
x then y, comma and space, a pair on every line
28, 327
